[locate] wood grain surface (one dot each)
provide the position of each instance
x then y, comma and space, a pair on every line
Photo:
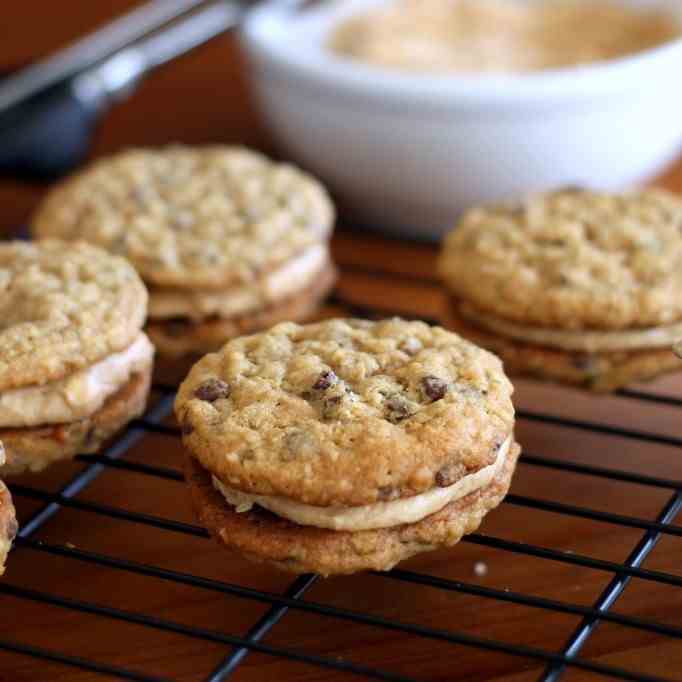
488, 586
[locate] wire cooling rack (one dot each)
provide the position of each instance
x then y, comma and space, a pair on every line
549, 664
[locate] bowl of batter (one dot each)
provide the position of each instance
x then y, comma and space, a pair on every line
413, 110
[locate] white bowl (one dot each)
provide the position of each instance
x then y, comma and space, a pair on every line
407, 153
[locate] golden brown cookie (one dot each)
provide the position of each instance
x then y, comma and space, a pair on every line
600, 372
33, 449
63, 307
182, 337
573, 285
74, 363
350, 425
260, 535
219, 233
8, 521
8, 525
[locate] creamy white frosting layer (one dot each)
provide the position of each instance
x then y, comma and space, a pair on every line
370, 516
274, 286
78, 395
583, 340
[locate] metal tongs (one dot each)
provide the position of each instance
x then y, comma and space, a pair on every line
48, 110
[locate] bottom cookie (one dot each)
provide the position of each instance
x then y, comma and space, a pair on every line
183, 337
33, 449
261, 536
8, 525
600, 372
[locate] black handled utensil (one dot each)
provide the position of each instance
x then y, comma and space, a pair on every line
48, 111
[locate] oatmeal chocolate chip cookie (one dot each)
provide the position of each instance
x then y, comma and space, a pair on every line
601, 372
8, 521
206, 218
219, 234
34, 449
361, 429
261, 536
179, 336
572, 285
571, 260
63, 307
74, 363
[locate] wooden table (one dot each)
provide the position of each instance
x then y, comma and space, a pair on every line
578, 492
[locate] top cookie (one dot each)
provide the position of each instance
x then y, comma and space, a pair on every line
194, 217
63, 307
572, 259
346, 412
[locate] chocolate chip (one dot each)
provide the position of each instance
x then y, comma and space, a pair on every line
449, 474
397, 409
434, 388
12, 529
386, 492
585, 363
212, 390
186, 428
325, 380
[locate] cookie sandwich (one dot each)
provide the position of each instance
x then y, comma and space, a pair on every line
227, 241
346, 445
74, 364
572, 286
8, 520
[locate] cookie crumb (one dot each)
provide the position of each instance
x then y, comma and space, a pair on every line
480, 569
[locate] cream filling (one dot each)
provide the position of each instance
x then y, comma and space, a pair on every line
293, 276
370, 516
78, 395
583, 340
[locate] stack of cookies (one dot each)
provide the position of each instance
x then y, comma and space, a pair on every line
347, 444
572, 286
227, 241
74, 364
8, 521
